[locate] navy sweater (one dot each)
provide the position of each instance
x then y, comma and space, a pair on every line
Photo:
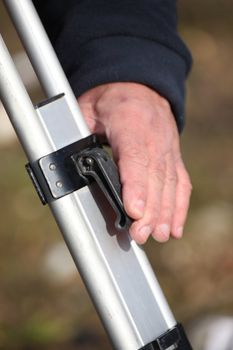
103, 41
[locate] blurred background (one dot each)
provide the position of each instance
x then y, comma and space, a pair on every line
43, 304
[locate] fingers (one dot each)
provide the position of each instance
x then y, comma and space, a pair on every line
168, 196
156, 187
163, 225
133, 168
142, 173
142, 229
183, 193
167, 204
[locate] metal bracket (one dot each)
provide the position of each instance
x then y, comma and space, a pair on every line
54, 175
75, 166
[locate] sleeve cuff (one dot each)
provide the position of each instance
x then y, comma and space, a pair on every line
130, 59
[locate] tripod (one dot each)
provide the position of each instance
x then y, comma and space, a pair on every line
78, 180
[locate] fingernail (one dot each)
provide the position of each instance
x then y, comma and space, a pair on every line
145, 232
179, 232
162, 232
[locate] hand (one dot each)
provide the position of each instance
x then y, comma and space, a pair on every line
141, 129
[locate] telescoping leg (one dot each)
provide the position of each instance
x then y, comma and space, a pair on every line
69, 168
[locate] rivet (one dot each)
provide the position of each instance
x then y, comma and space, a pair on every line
59, 184
52, 166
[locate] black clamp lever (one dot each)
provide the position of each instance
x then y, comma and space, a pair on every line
75, 166
96, 164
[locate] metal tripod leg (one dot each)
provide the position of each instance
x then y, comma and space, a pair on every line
115, 270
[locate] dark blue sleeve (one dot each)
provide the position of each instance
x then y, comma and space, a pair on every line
103, 41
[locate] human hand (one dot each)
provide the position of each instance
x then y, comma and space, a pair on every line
141, 129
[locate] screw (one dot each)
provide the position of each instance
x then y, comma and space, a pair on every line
89, 161
52, 166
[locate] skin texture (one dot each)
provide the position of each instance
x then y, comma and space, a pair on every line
139, 125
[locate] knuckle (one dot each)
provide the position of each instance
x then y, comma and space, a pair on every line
185, 181
155, 215
132, 107
152, 215
166, 212
100, 104
137, 111
172, 178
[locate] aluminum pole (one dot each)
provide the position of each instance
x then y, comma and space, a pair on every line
19, 106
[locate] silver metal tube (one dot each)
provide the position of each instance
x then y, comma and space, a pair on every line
19, 106
42, 56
